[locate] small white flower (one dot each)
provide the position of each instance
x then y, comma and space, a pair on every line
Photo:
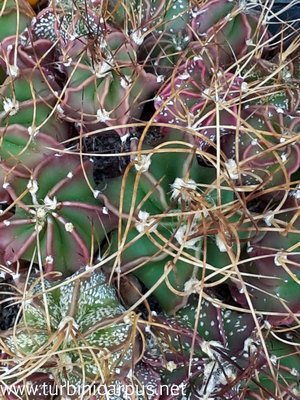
125, 82
171, 366
70, 175
68, 62
267, 325
13, 70
245, 87
127, 319
283, 157
124, 138
32, 186
15, 275
280, 259
32, 131
269, 218
294, 372
59, 109
192, 285
250, 347
184, 76
181, 234
160, 78
96, 193
249, 42
41, 213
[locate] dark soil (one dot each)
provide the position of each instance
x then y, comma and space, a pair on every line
105, 166
8, 312
107, 163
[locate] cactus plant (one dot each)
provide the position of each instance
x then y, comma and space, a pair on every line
77, 327
188, 100
273, 278
169, 217
228, 30
188, 126
29, 100
226, 357
57, 208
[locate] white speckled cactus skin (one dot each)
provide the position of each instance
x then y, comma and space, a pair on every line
79, 320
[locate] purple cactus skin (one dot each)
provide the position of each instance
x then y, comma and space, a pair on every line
266, 155
16, 56
189, 100
273, 265
43, 385
57, 209
229, 30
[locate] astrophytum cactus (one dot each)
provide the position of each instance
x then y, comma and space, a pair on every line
78, 332
217, 353
192, 359
227, 30
58, 222
168, 205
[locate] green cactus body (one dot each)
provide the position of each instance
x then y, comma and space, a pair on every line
58, 209
29, 101
10, 14
160, 233
143, 16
